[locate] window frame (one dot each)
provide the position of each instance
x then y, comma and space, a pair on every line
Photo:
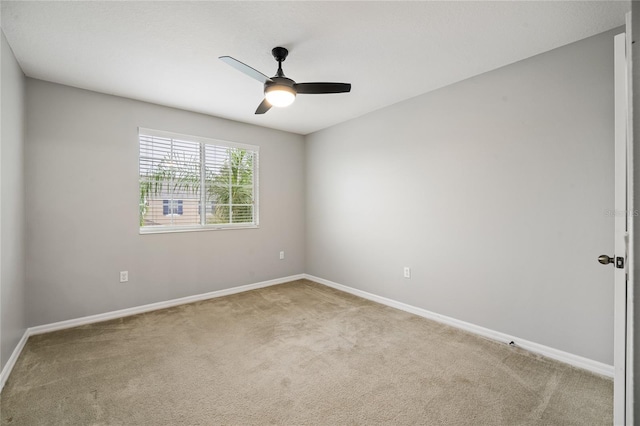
163, 229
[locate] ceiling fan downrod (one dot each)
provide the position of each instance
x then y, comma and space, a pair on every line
280, 54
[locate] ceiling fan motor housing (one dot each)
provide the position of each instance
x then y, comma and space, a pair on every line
279, 81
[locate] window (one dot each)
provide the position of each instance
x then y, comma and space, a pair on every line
179, 174
171, 207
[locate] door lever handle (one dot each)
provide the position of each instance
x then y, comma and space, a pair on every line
605, 260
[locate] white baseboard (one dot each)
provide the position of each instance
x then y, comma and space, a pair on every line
40, 329
4, 374
558, 355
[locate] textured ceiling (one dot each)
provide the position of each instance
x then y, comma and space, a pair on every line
166, 52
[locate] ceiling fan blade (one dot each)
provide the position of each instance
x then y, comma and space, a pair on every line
319, 88
263, 107
246, 69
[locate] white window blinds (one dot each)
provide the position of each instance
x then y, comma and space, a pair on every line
192, 183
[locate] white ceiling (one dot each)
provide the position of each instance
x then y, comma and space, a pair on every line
166, 52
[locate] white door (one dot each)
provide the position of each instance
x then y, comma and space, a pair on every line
622, 413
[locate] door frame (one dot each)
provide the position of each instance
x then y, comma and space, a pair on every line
630, 261
623, 234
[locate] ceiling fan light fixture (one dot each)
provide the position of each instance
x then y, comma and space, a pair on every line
280, 95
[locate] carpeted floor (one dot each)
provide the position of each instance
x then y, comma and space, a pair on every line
293, 354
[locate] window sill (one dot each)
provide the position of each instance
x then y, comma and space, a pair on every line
171, 230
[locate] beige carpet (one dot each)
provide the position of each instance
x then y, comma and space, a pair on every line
293, 354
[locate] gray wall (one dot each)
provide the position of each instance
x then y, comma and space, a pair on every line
12, 263
82, 208
492, 190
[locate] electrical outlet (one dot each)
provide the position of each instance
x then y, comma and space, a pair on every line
281, 255
407, 272
124, 276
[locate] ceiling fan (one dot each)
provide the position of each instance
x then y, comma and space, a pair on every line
280, 91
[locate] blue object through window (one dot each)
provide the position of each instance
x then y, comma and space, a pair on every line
171, 207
